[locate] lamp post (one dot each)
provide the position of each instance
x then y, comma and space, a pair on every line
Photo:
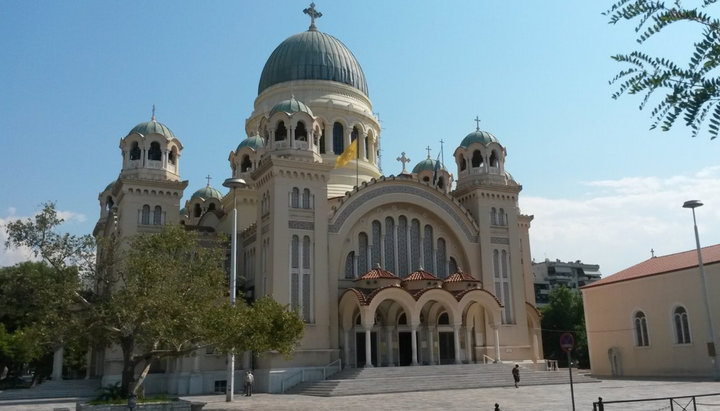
232, 183
693, 204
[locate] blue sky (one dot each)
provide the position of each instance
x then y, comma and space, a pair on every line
76, 76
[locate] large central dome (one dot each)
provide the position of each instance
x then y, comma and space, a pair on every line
312, 55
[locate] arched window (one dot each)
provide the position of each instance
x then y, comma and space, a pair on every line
403, 252
376, 241
280, 132
441, 182
306, 287
493, 159
322, 140
295, 273
354, 135
154, 153
197, 211
338, 139
402, 320
641, 329
135, 151
453, 266
477, 159
493, 216
682, 328
301, 132
109, 203
295, 198
390, 244
428, 249
444, 319
463, 164
211, 207
306, 199
172, 156
501, 217
414, 244
349, 263
441, 265
363, 253
366, 147
157, 215
426, 179
145, 214
245, 164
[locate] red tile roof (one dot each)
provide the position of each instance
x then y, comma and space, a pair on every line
662, 264
461, 276
420, 275
377, 273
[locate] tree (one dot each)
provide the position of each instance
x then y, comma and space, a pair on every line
161, 295
564, 313
691, 92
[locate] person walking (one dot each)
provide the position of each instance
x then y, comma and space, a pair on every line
249, 380
516, 375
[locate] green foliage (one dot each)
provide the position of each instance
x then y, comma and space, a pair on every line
691, 92
155, 295
110, 394
564, 313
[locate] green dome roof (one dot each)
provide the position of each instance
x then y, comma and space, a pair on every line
254, 142
291, 106
109, 186
427, 164
207, 193
153, 126
312, 55
183, 212
482, 137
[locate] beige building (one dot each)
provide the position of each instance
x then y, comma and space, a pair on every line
419, 268
650, 319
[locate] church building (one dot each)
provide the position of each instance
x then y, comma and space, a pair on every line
426, 267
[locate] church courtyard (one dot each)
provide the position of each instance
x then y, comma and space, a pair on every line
536, 398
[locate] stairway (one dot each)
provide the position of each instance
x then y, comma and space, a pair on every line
358, 381
55, 389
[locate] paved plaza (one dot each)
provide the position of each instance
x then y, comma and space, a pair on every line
540, 398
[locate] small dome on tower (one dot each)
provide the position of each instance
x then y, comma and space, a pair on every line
153, 127
206, 193
479, 136
110, 186
291, 106
254, 142
427, 165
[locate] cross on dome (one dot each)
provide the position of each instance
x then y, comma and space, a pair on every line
314, 14
153, 114
403, 160
428, 150
208, 179
477, 123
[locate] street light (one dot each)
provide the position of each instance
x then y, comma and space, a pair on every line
693, 204
232, 183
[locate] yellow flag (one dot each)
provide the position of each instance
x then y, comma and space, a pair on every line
347, 155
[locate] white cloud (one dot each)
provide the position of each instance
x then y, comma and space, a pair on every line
12, 256
617, 222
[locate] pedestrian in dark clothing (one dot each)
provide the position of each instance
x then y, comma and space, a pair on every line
516, 375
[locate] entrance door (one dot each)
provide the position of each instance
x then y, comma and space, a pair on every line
405, 348
360, 347
446, 342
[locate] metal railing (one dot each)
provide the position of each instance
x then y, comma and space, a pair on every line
682, 403
486, 358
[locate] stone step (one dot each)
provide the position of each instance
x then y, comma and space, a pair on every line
55, 389
429, 378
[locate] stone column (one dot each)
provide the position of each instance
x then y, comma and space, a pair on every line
361, 144
468, 344
346, 345
456, 337
431, 331
389, 331
497, 343
58, 363
368, 348
413, 340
